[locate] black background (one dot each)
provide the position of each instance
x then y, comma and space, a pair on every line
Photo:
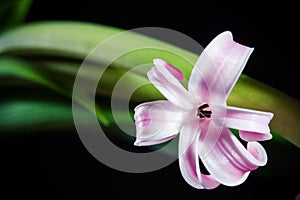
56, 165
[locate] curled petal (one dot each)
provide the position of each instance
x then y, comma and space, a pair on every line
252, 125
254, 136
230, 163
189, 159
170, 87
218, 68
156, 122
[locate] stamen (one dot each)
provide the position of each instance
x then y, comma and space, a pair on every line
203, 111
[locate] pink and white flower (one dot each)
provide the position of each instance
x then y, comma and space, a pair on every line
202, 118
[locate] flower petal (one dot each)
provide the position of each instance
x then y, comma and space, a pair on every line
230, 163
156, 122
170, 87
253, 125
218, 67
189, 159
173, 70
254, 136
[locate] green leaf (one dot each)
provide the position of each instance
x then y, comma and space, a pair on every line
62, 39
37, 111
22, 114
13, 12
57, 82
75, 40
108, 80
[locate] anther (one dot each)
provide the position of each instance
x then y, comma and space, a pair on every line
203, 111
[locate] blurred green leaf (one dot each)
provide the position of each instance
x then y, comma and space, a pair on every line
45, 112
13, 12
55, 81
22, 114
75, 40
108, 80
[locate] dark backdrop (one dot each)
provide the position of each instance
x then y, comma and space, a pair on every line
56, 165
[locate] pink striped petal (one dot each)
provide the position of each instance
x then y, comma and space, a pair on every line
218, 68
173, 70
253, 125
254, 136
156, 122
170, 87
189, 159
230, 163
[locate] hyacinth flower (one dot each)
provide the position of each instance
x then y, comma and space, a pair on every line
201, 117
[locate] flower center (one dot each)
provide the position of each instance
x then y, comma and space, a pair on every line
203, 111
